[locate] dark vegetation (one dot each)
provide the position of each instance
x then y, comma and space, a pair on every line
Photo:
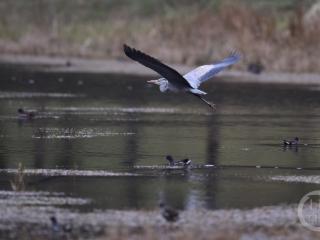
282, 35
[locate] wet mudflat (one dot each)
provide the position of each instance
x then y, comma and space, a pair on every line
96, 150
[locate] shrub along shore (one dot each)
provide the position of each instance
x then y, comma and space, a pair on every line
280, 35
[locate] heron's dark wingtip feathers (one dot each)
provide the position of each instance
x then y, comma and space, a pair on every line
132, 53
167, 72
125, 47
235, 54
128, 50
139, 56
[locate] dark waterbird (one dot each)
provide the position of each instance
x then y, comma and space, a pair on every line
54, 224
57, 227
255, 67
24, 114
172, 162
295, 141
168, 213
174, 81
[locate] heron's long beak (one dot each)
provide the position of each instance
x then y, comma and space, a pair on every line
155, 81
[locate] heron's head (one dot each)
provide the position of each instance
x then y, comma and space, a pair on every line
169, 158
162, 82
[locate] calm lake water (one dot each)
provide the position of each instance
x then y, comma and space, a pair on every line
121, 124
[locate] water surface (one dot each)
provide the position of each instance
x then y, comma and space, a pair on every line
120, 124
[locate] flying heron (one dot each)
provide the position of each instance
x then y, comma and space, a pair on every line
174, 81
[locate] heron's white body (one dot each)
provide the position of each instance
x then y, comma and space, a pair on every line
165, 85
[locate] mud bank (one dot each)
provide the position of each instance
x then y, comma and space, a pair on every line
79, 65
29, 222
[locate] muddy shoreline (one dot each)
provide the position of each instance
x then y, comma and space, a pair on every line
123, 67
30, 222
26, 215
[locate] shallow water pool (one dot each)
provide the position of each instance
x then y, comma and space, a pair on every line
120, 125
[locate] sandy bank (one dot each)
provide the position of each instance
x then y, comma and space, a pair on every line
76, 65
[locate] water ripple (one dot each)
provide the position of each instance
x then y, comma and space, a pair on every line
70, 133
39, 198
315, 179
4, 95
125, 110
69, 172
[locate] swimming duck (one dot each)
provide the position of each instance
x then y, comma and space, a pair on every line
295, 141
172, 162
56, 226
168, 213
255, 67
23, 114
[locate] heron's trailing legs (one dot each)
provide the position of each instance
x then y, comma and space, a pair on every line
213, 106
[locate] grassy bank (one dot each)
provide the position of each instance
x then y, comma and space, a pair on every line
282, 35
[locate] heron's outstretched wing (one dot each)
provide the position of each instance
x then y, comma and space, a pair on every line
205, 72
167, 72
